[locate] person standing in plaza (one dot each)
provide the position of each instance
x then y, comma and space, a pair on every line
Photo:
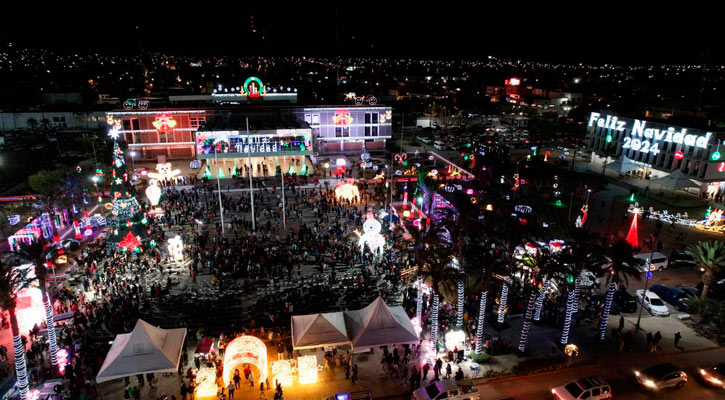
230, 390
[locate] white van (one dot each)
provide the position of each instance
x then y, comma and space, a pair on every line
439, 145
658, 261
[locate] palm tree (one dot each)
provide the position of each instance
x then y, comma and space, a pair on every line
50, 192
710, 257
12, 281
433, 258
622, 267
37, 253
583, 254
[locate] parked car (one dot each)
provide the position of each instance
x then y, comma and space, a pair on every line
626, 302
714, 375
592, 388
657, 261
681, 259
652, 303
447, 389
690, 292
671, 295
439, 145
424, 139
662, 376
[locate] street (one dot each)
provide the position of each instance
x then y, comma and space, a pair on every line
621, 379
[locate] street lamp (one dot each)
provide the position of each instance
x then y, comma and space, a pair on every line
133, 165
95, 180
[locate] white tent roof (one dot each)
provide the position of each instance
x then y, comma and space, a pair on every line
378, 325
623, 165
145, 349
676, 180
317, 330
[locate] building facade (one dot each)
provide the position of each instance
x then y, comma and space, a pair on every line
657, 148
159, 134
347, 129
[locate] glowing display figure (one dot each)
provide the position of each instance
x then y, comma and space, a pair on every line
164, 172
153, 193
347, 190
176, 248
371, 236
307, 369
282, 371
245, 350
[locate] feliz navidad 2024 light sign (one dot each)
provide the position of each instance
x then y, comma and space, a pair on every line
646, 138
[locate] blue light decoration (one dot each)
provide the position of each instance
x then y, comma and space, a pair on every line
567, 318
434, 322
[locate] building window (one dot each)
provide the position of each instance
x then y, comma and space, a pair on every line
308, 118
342, 131
196, 122
697, 168
374, 130
371, 118
315, 119
131, 124
367, 130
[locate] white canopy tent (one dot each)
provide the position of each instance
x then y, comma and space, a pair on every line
317, 330
623, 165
676, 180
146, 349
378, 325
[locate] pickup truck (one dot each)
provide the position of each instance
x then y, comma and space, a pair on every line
448, 389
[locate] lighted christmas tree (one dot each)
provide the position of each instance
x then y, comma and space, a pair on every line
128, 220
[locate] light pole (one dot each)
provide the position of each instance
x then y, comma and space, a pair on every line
95, 180
219, 189
251, 170
133, 164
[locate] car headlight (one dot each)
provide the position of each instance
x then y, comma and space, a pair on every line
714, 380
553, 391
702, 372
636, 373
649, 383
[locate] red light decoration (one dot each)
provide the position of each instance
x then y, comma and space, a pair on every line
721, 167
679, 154
513, 82
164, 122
129, 242
632, 237
342, 117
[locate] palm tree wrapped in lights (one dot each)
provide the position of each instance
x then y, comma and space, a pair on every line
419, 299
622, 267
540, 299
504, 299
527, 320
583, 254
12, 281
434, 321
481, 321
38, 254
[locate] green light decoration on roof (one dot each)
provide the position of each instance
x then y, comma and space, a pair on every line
303, 171
291, 170
236, 167
302, 147
220, 174
558, 203
207, 172
632, 199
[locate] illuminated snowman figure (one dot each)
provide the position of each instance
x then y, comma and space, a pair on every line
176, 248
372, 236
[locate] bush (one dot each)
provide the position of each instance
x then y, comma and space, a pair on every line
711, 310
481, 358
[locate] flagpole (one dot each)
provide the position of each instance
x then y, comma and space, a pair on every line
251, 170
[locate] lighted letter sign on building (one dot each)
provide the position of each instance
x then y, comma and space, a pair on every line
279, 142
653, 145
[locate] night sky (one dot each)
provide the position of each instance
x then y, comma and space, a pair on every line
616, 33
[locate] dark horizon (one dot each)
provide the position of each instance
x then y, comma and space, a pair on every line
393, 31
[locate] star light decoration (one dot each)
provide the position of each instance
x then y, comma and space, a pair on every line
114, 132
